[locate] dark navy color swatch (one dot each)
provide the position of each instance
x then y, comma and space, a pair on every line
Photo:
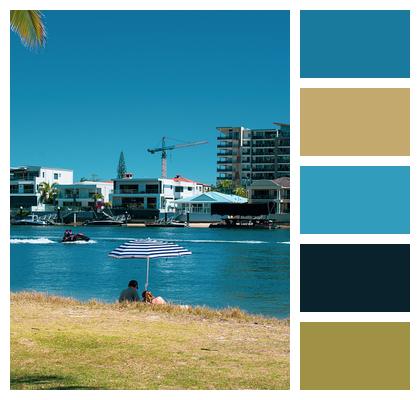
355, 44
355, 278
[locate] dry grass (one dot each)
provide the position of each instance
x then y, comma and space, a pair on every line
61, 343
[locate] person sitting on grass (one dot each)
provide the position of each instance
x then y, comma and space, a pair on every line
150, 299
130, 294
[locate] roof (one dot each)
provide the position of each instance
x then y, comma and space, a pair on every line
35, 167
179, 178
283, 181
213, 197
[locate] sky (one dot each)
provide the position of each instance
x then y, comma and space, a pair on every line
112, 81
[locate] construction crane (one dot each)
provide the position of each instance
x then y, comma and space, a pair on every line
166, 148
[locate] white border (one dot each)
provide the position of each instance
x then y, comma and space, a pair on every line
294, 6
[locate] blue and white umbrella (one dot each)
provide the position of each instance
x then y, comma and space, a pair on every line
148, 248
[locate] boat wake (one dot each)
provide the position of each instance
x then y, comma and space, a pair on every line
81, 242
44, 240
41, 240
193, 240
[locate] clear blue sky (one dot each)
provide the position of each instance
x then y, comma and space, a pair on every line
112, 81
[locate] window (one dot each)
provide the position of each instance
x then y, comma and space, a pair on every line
189, 188
55, 175
43, 174
133, 202
179, 189
129, 189
151, 203
152, 188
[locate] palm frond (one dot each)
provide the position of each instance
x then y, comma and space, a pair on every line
28, 24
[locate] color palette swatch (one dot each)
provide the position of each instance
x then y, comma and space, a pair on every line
356, 199
355, 355
355, 122
355, 44
354, 277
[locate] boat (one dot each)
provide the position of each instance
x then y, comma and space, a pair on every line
245, 223
104, 222
161, 223
76, 237
105, 219
30, 220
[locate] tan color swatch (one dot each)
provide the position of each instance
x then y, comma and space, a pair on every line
355, 122
355, 355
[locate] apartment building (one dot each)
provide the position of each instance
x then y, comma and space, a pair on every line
245, 155
25, 181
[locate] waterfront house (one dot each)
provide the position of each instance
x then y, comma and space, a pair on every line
152, 197
25, 184
198, 207
84, 194
275, 194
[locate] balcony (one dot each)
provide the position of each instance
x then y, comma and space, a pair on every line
219, 169
264, 144
224, 146
228, 137
224, 161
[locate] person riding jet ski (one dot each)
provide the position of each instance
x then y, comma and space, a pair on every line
69, 236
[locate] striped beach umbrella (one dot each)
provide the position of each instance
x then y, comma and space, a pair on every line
148, 248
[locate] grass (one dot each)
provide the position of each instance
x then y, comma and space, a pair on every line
61, 343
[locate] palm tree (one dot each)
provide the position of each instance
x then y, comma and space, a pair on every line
97, 197
240, 191
224, 186
29, 25
48, 192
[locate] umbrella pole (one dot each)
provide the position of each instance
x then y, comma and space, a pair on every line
147, 274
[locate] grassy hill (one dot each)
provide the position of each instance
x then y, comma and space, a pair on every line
61, 343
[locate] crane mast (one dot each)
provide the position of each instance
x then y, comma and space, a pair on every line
164, 149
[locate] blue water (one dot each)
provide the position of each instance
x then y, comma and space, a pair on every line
246, 269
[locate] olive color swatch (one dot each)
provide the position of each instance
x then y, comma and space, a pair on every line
355, 122
355, 355
354, 277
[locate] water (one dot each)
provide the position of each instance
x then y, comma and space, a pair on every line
239, 268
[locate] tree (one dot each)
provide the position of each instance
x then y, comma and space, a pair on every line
224, 186
241, 191
122, 169
29, 25
97, 197
48, 192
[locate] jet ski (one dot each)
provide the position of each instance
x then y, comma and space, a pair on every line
69, 237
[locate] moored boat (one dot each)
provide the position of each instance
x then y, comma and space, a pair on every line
30, 220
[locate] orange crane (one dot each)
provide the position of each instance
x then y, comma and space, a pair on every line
164, 149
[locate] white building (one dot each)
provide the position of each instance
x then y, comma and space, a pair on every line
25, 183
153, 193
84, 194
275, 193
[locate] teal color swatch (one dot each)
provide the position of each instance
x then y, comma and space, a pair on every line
355, 200
355, 44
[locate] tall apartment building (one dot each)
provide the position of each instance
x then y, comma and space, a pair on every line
245, 155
